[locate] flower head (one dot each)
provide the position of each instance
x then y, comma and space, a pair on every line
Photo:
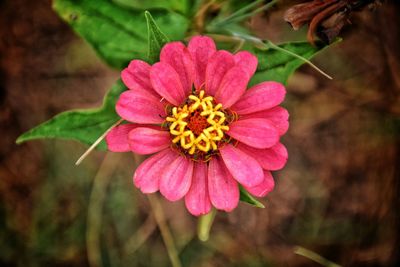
207, 132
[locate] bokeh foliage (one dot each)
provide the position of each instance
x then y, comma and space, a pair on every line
334, 196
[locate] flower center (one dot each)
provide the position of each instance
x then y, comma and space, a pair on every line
199, 125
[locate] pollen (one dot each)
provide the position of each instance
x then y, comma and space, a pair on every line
198, 126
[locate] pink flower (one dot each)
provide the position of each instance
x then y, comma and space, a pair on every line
207, 132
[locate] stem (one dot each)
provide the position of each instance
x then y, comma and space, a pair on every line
264, 46
95, 207
314, 257
239, 45
262, 8
238, 12
204, 225
141, 236
198, 20
274, 46
224, 38
165, 232
93, 146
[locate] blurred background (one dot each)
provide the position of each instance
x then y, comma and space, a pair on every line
338, 196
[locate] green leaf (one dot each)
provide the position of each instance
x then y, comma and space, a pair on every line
176, 5
156, 38
275, 65
117, 34
81, 125
246, 197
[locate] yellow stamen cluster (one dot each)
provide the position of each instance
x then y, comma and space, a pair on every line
212, 133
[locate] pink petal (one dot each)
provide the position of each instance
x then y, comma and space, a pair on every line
278, 116
145, 140
147, 175
262, 189
217, 67
223, 189
137, 76
258, 133
232, 87
177, 56
273, 158
141, 107
166, 81
201, 48
117, 138
176, 178
245, 169
197, 200
262, 96
246, 61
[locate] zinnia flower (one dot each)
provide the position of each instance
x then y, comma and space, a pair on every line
207, 132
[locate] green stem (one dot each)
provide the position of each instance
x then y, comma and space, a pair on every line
274, 46
204, 225
95, 208
141, 236
314, 257
97, 142
258, 43
258, 10
238, 12
164, 229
